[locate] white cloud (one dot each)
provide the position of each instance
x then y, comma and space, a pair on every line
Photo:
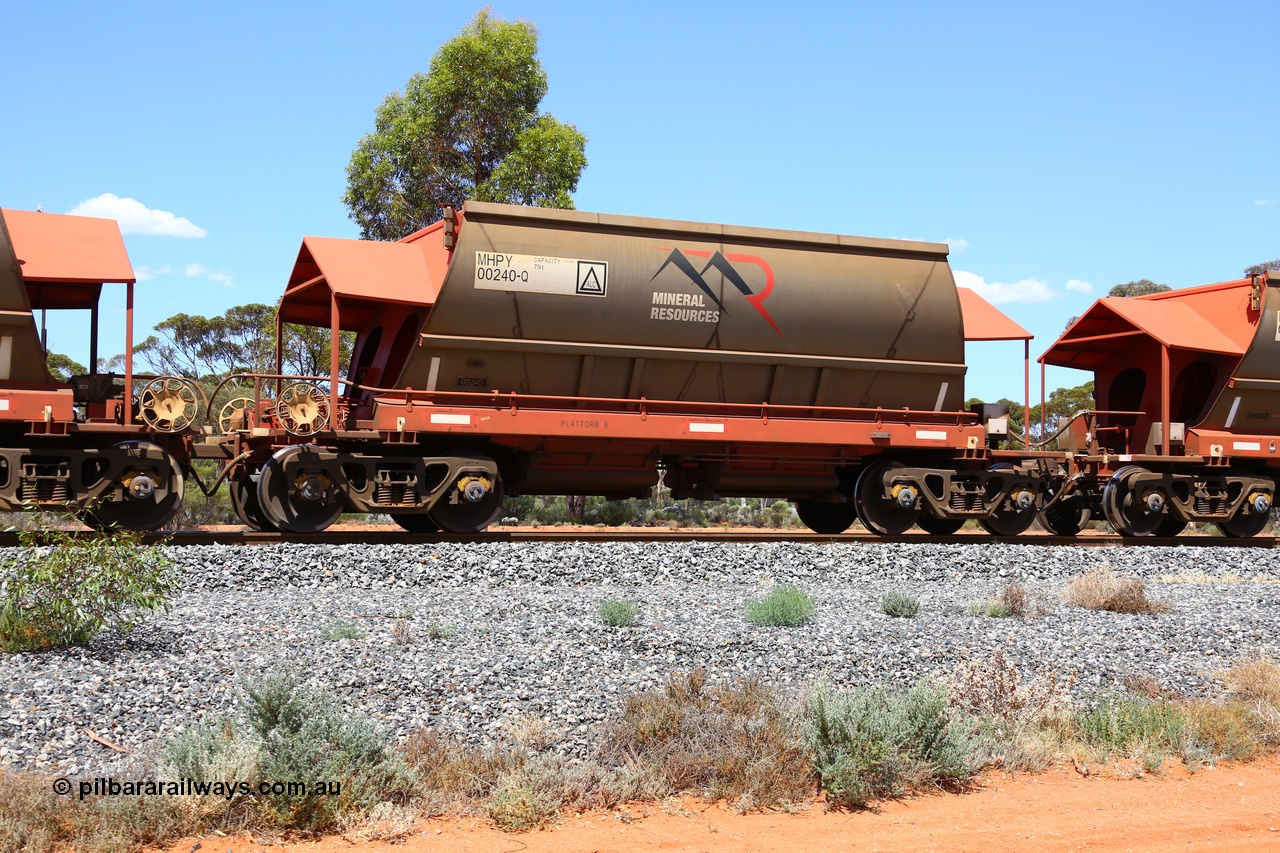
200, 271
147, 273
1262, 202
1026, 290
1079, 286
136, 218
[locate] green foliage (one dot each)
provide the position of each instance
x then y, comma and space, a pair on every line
295, 733
900, 604
542, 169
1141, 287
618, 612
62, 367
1258, 269
440, 630
1121, 723
242, 340
467, 128
785, 606
869, 744
342, 630
70, 589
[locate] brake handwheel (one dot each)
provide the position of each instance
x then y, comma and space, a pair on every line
303, 409
235, 415
168, 403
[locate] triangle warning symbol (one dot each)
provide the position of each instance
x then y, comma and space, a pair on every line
590, 282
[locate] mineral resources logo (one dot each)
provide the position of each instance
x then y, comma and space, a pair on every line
693, 308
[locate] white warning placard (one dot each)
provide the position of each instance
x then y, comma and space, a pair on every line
541, 274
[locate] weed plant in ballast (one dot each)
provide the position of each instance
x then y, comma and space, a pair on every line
900, 604
618, 612
785, 606
342, 630
59, 589
1102, 589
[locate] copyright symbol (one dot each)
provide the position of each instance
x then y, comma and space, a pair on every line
62, 786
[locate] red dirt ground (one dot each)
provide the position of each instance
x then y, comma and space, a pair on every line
1234, 808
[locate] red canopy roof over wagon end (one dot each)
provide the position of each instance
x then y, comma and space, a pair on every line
985, 322
1111, 324
361, 274
65, 260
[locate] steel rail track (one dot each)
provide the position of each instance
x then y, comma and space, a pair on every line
341, 536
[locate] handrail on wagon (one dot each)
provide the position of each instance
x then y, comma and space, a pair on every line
512, 401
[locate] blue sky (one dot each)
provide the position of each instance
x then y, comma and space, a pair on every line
1060, 148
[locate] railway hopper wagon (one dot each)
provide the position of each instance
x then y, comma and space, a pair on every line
510, 350
111, 447
1187, 385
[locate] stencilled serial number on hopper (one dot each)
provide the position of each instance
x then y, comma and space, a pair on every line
541, 274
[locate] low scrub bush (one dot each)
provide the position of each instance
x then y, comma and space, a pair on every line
900, 604
1101, 589
869, 743
291, 732
618, 613
1014, 600
736, 741
785, 606
69, 589
1254, 679
437, 630
995, 688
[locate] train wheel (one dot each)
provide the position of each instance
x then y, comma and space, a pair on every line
1241, 526
1124, 508
297, 495
826, 518
1170, 527
938, 526
416, 522
880, 515
1064, 519
1008, 519
151, 483
472, 503
244, 500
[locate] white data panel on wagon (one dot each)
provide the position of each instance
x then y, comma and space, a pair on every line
541, 274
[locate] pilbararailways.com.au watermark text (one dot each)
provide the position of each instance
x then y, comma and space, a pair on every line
112, 787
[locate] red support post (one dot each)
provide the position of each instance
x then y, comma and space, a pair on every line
1166, 446
279, 350
128, 354
333, 359
1026, 394
1042, 399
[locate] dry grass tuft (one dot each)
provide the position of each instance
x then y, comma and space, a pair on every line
733, 741
995, 688
1101, 589
33, 819
455, 774
1203, 578
1255, 679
